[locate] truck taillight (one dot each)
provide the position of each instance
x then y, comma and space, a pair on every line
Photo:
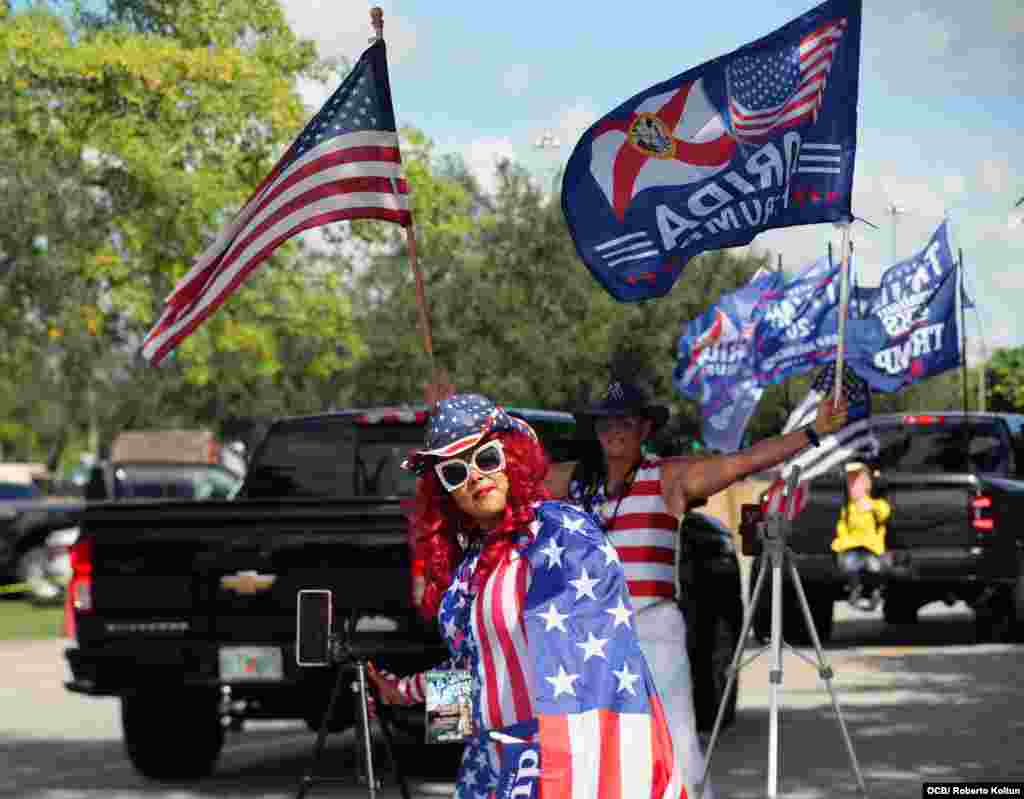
80, 587
923, 419
981, 509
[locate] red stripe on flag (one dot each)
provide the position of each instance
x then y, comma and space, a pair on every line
610, 777
401, 217
646, 588
520, 691
646, 555
631, 521
487, 654
555, 757
662, 756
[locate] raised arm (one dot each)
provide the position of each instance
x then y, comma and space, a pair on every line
687, 479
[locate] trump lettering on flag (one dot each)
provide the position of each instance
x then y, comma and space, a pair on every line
761, 138
344, 165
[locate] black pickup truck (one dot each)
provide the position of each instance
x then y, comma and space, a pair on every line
956, 486
187, 610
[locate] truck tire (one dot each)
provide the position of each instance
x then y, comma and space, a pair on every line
794, 626
711, 675
174, 734
899, 610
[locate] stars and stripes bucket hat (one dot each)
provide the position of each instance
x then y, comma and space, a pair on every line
461, 422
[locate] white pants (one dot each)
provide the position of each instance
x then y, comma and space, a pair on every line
662, 632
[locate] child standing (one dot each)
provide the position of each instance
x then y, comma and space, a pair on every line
860, 536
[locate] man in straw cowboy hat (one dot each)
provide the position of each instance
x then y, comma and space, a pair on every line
640, 500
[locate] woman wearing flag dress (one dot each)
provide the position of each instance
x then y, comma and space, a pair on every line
532, 600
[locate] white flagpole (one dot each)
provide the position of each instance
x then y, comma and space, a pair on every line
844, 304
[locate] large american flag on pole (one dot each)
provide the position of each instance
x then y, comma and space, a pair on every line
781, 87
344, 165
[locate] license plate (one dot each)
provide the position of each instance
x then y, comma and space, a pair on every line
243, 663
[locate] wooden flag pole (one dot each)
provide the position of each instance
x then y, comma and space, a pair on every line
377, 20
844, 303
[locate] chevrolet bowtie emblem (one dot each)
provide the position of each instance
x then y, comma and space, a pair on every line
247, 582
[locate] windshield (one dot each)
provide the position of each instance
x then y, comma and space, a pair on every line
17, 491
199, 482
949, 447
337, 458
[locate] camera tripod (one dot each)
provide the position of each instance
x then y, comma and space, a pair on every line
348, 657
776, 555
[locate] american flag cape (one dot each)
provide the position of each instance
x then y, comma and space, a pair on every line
344, 165
591, 724
856, 440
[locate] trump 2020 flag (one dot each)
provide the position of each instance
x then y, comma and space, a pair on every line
761, 138
799, 332
714, 360
907, 330
344, 165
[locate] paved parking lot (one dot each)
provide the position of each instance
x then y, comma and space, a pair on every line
922, 703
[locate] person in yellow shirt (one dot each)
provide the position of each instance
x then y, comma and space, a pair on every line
860, 536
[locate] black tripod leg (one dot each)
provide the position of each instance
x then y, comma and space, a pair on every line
384, 713
321, 737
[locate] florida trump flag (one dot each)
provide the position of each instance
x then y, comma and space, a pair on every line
761, 138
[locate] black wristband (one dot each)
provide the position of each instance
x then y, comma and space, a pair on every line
812, 436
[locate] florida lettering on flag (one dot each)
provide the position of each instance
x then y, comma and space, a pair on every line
344, 165
763, 137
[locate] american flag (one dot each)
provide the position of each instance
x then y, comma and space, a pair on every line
855, 441
344, 165
562, 684
770, 90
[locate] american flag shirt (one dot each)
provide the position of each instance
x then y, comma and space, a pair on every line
563, 701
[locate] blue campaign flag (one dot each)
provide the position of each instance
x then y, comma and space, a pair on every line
799, 332
761, 138
713, 363
908, 330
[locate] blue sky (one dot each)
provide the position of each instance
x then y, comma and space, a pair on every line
941, 116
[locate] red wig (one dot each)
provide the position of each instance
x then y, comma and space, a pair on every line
437, 520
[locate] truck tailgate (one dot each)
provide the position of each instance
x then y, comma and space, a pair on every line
930, 515
231, 571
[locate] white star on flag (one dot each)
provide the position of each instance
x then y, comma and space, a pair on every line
553, 619
611, 554
585, 585
562, 682
626, 679
469, 778
592, 647
620, 612
554, 553
573, 525
450, 629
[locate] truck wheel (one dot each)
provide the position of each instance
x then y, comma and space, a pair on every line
172, 735
794, 626
899, 611
31, 569
711, 675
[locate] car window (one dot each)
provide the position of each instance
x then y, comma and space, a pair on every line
152, 481
950, 447
336, 457
18, 491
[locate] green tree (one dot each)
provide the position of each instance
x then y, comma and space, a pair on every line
130, 136
1006, 379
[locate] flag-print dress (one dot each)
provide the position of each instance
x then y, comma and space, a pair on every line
563, 702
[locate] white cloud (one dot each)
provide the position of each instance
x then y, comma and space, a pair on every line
516, 79
341, 33
993, 175
483, 155
954, 184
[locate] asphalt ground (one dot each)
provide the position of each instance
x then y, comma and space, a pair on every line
922, 703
